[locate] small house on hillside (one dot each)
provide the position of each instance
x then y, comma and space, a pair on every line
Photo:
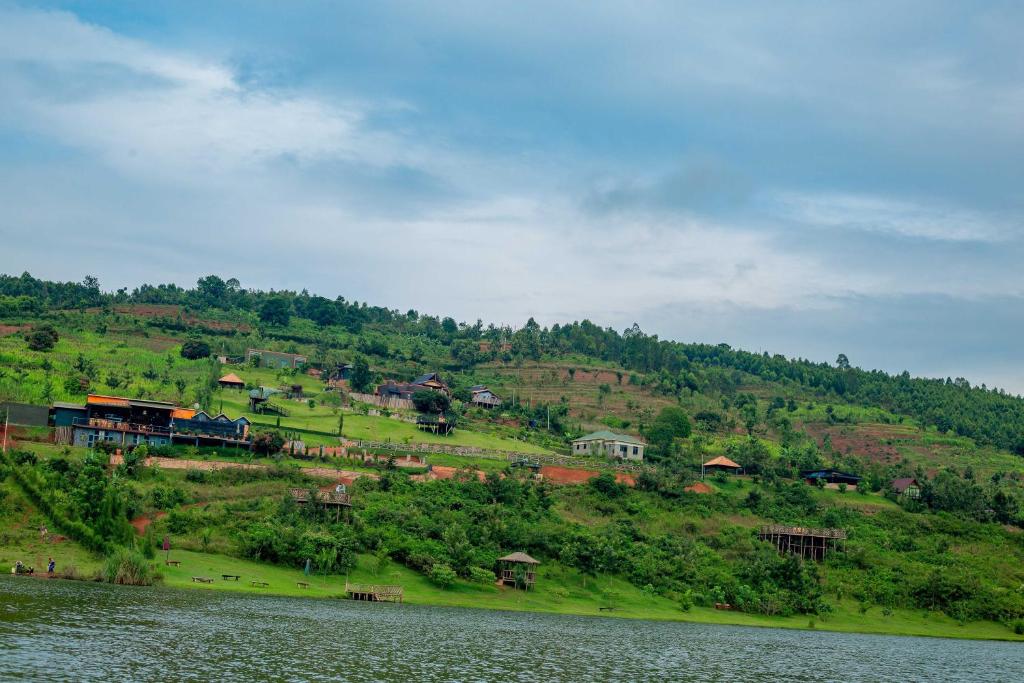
830, 477
274, 359
431, 381
484, 397
720, 464
518, 569
906, 487
231, 381
428, 382
609, 444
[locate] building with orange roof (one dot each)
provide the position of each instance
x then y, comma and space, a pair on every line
720, 464
231, 381
129, 422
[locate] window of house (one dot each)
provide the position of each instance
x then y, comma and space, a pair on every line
636, 450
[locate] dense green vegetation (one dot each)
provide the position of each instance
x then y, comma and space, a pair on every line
988, 416
957, 549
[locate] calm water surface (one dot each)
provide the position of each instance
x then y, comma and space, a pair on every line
66, 631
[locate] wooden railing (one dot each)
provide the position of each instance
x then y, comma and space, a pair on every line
324, 497
775, 529
378, 592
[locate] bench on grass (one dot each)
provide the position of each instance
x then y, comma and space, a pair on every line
201, 579
230, 577
259, 584
173, 563
302, 584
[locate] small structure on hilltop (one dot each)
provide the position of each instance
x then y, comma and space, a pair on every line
720, 464
428, 382
484, 397
830, 477
438, 424
609, 444
808, 543
231, 381
259, 400
328, 499
518, 569
906, 487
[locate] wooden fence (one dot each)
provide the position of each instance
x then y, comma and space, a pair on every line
504, 456
389, 402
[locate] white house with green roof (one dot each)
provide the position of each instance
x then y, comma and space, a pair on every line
609, 444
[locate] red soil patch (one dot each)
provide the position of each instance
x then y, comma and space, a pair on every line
445, 472
567, 475
173, 311
865, 441
11, 329
699, 487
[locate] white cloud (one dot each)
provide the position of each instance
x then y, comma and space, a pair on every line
840, 211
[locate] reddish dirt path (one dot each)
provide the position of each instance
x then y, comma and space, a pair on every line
213, 465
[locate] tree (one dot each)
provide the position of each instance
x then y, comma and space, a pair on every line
842, 362
268, 443
427, 401
670, 424
42, 338
361, 377
276, 310
194, 349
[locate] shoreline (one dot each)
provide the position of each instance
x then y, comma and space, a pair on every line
283, 582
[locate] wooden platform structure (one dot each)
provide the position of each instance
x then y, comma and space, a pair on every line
812, 544
329, 498
519, 570
373, 592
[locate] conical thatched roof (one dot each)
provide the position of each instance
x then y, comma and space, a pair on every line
522, 558
722, 461
231, 378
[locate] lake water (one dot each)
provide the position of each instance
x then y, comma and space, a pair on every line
59, 630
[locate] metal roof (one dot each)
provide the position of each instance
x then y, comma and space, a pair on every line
605, 435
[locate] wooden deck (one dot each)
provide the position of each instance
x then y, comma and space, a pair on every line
323, 497
807, 542
373, 592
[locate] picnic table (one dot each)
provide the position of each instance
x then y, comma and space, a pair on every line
302, 584
259, 584
230, 577
201, 579
175, 563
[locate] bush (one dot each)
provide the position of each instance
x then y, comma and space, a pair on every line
481, 575
196, 476
128, 568
443, 575
42, 338
193, 349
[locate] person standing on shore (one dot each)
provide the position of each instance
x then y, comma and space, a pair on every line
50, 566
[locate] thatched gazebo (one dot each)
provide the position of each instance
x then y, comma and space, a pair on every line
720, 464
518, 569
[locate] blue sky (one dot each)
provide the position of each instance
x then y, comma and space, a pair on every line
801, 178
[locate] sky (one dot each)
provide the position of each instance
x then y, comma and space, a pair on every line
799, 178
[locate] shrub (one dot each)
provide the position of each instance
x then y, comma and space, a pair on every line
196, 476
443, 575
42, 338
193, 349
128, 568
481, 575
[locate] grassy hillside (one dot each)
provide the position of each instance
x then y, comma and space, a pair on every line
949, 562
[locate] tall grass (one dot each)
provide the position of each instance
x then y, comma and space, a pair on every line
129, 568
